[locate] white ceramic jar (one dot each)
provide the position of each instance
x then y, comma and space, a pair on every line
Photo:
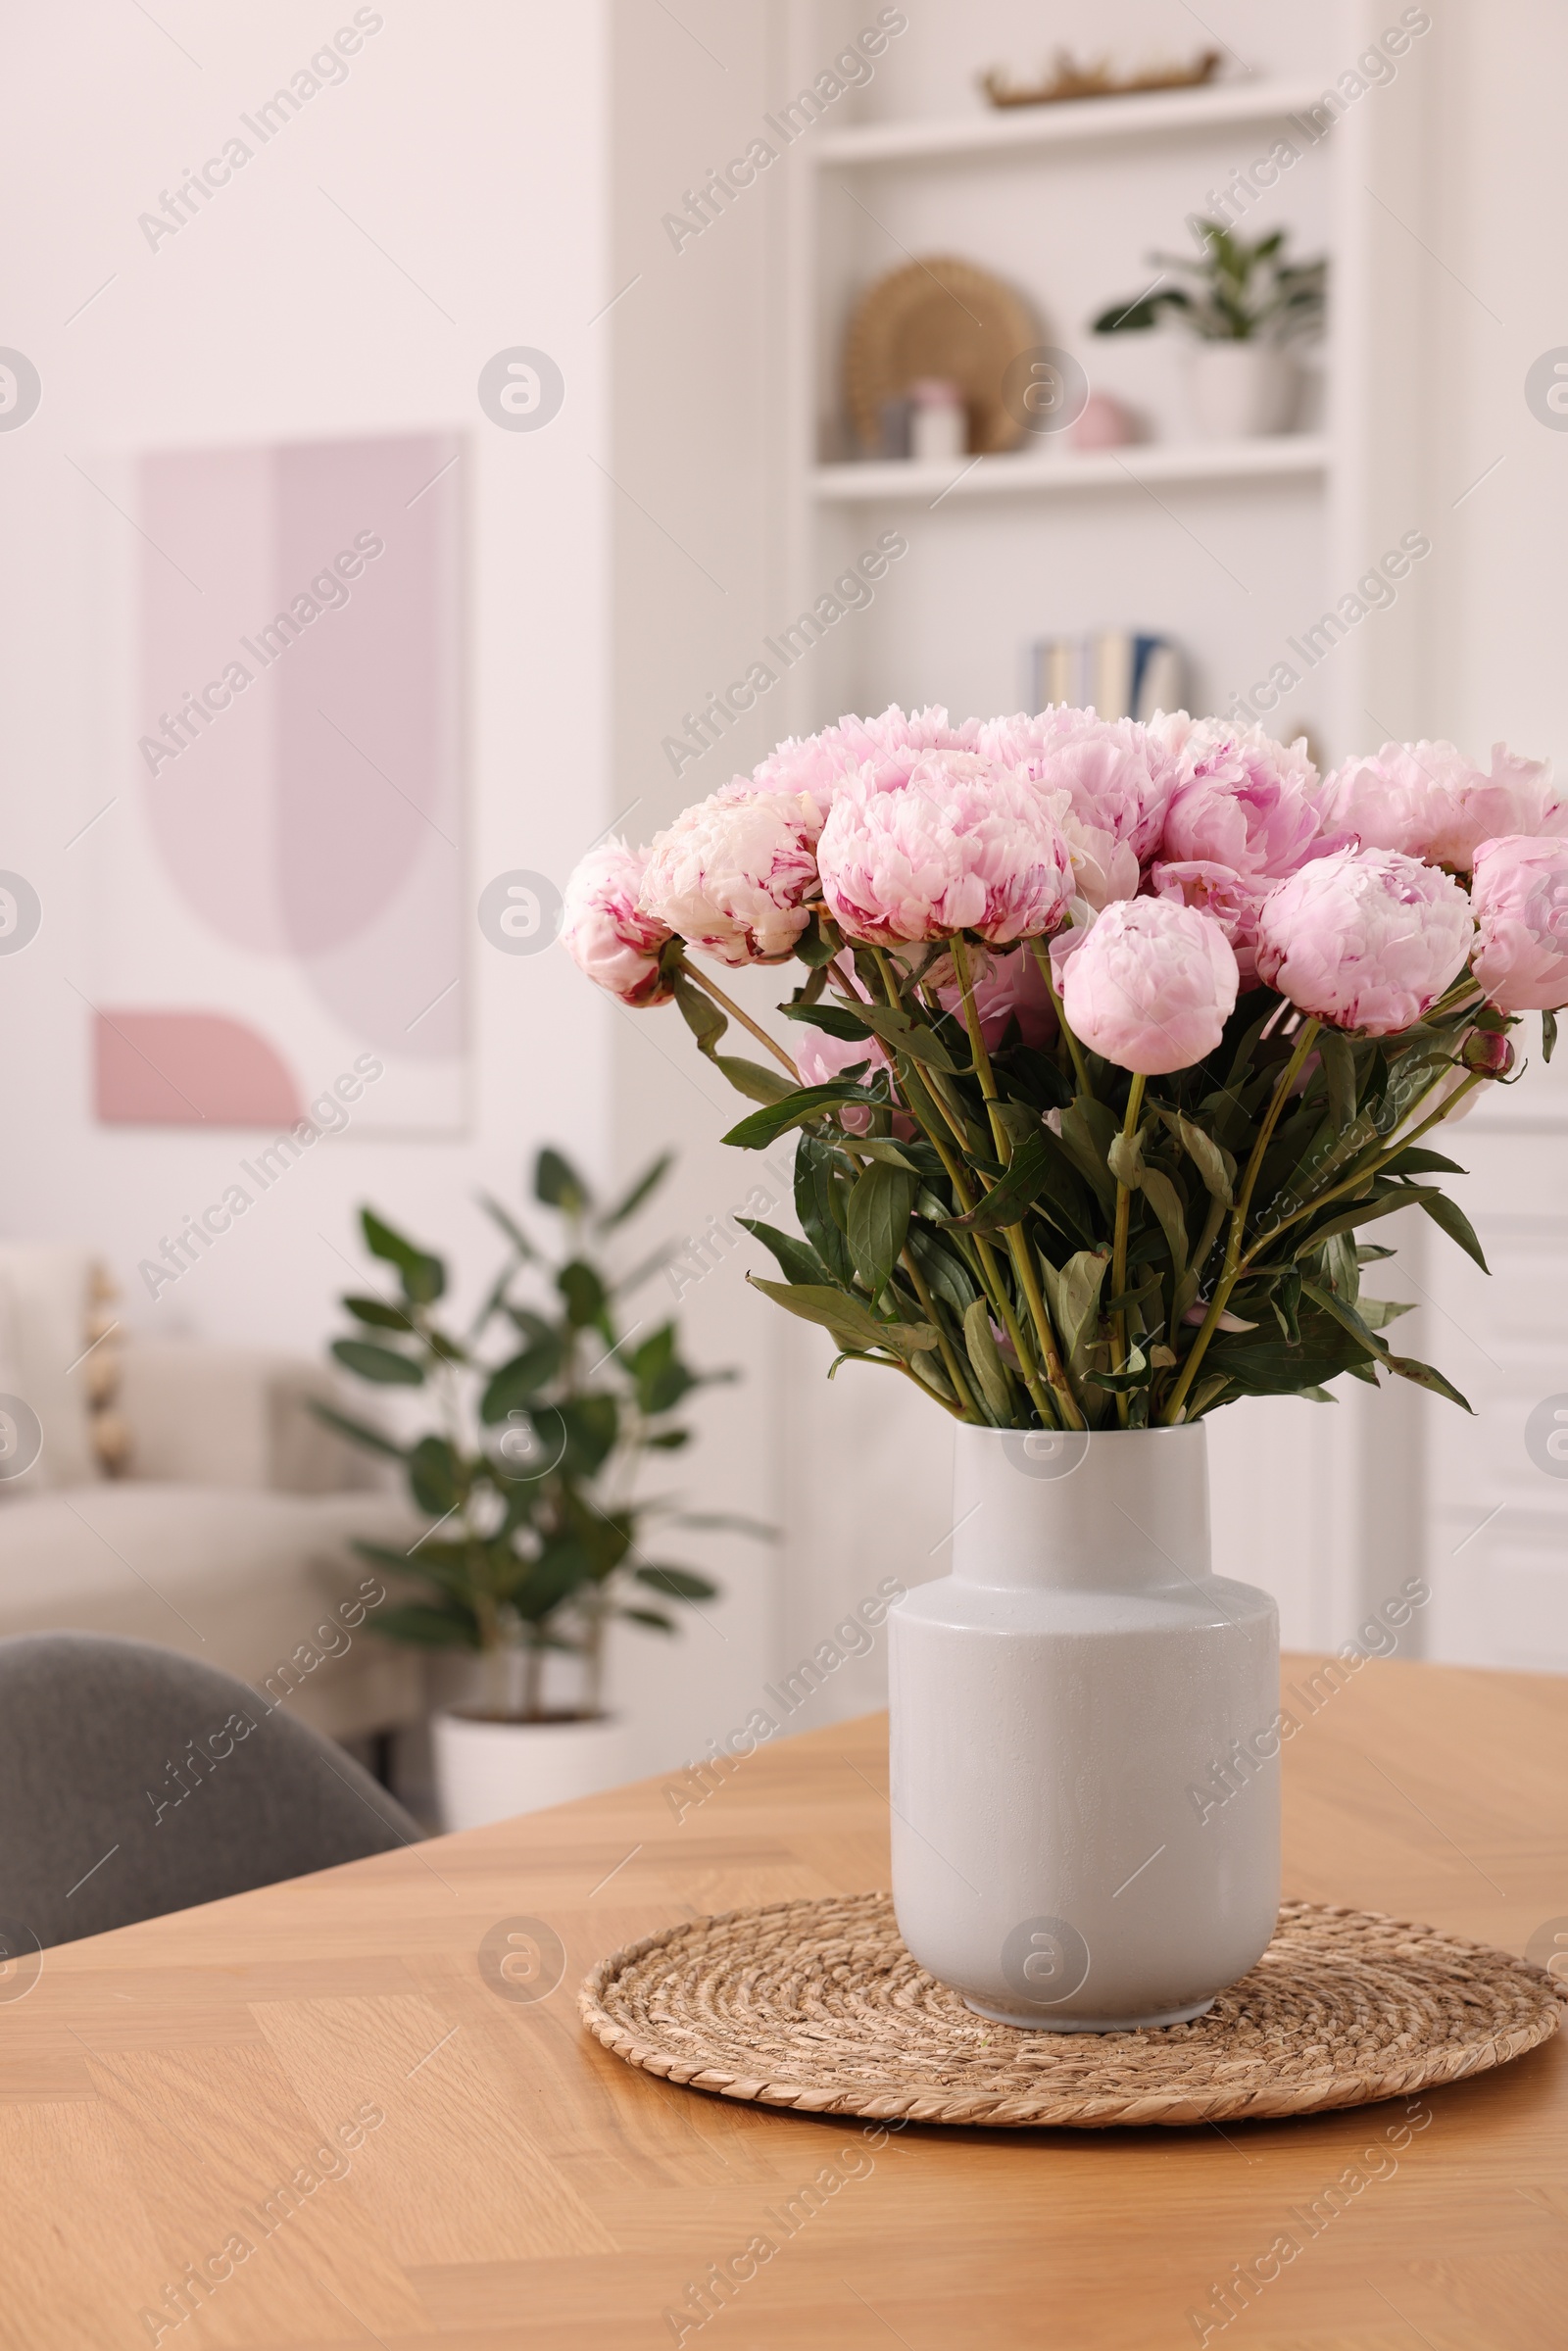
1085, 1739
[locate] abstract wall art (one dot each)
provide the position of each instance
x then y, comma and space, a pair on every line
281, 859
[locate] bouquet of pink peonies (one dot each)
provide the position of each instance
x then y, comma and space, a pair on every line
1113, 1037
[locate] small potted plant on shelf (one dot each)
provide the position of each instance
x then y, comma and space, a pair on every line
1245, 310
536, 1534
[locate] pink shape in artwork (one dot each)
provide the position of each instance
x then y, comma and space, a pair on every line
189, 1069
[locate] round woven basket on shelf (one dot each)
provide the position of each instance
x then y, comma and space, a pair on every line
939, 317
816, 2006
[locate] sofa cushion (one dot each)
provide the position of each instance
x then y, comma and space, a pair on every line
45, 1298
204, 1414
263, 1585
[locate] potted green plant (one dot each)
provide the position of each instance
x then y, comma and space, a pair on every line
535, 1541
1245, 308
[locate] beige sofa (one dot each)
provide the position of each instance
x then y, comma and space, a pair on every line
228, 1535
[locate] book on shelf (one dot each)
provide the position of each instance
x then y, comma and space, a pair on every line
1121, 673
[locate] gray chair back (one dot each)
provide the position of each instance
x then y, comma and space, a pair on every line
134, 1782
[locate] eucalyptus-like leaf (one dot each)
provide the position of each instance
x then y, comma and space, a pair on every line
822, 1178
1009, 1198
797, 1261
1422, 1375
1216, 1166
380, 1364
1326, 1300
374, 1441
379, 1315
754, 1079
424, 1276
1088, 1130
848, 1320
1166, 1200
877, 1222
1073, 1294
1339, 1069
1125, 1159
557, 1183
1451, 1219
631, 1202
912, 1038
984, 1362
766, 1126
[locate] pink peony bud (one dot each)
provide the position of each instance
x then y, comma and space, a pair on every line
1233, 900
1150, 985
1367, 939
1519, 892
1244, 801
956, 845
1488, 1053
604, 931
1003, 986
733, 874
1428, 800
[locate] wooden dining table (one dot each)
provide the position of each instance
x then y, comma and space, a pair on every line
360, 2108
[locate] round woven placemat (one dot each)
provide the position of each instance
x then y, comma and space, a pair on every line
817, 2005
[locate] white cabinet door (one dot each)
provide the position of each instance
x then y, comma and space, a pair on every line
1497, 1484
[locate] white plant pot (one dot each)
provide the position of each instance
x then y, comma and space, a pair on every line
1064, 1852
490, 1771
1238, 391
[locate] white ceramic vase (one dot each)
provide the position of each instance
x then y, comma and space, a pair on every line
489, 1771
1238, 391
1069, 1707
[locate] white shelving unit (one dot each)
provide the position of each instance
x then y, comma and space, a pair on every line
1280, 457
1098, 122
1230, 550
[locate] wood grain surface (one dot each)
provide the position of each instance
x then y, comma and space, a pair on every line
348, 2110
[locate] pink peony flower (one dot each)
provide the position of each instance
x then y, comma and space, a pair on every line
821, 1058
1428, 800
813, 766
1004, 984
1233, 900
954, 844
1107, 785
1519, 894
604, 930
821, 765
1149, 985
895, 741
1367, 939
1241, 800
733, 873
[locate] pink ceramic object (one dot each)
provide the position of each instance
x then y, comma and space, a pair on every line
1103, 425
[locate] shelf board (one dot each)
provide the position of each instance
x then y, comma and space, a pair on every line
1073, 122
1282, 455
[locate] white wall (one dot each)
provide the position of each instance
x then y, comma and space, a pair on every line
515, 161
271, 318
471, 145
